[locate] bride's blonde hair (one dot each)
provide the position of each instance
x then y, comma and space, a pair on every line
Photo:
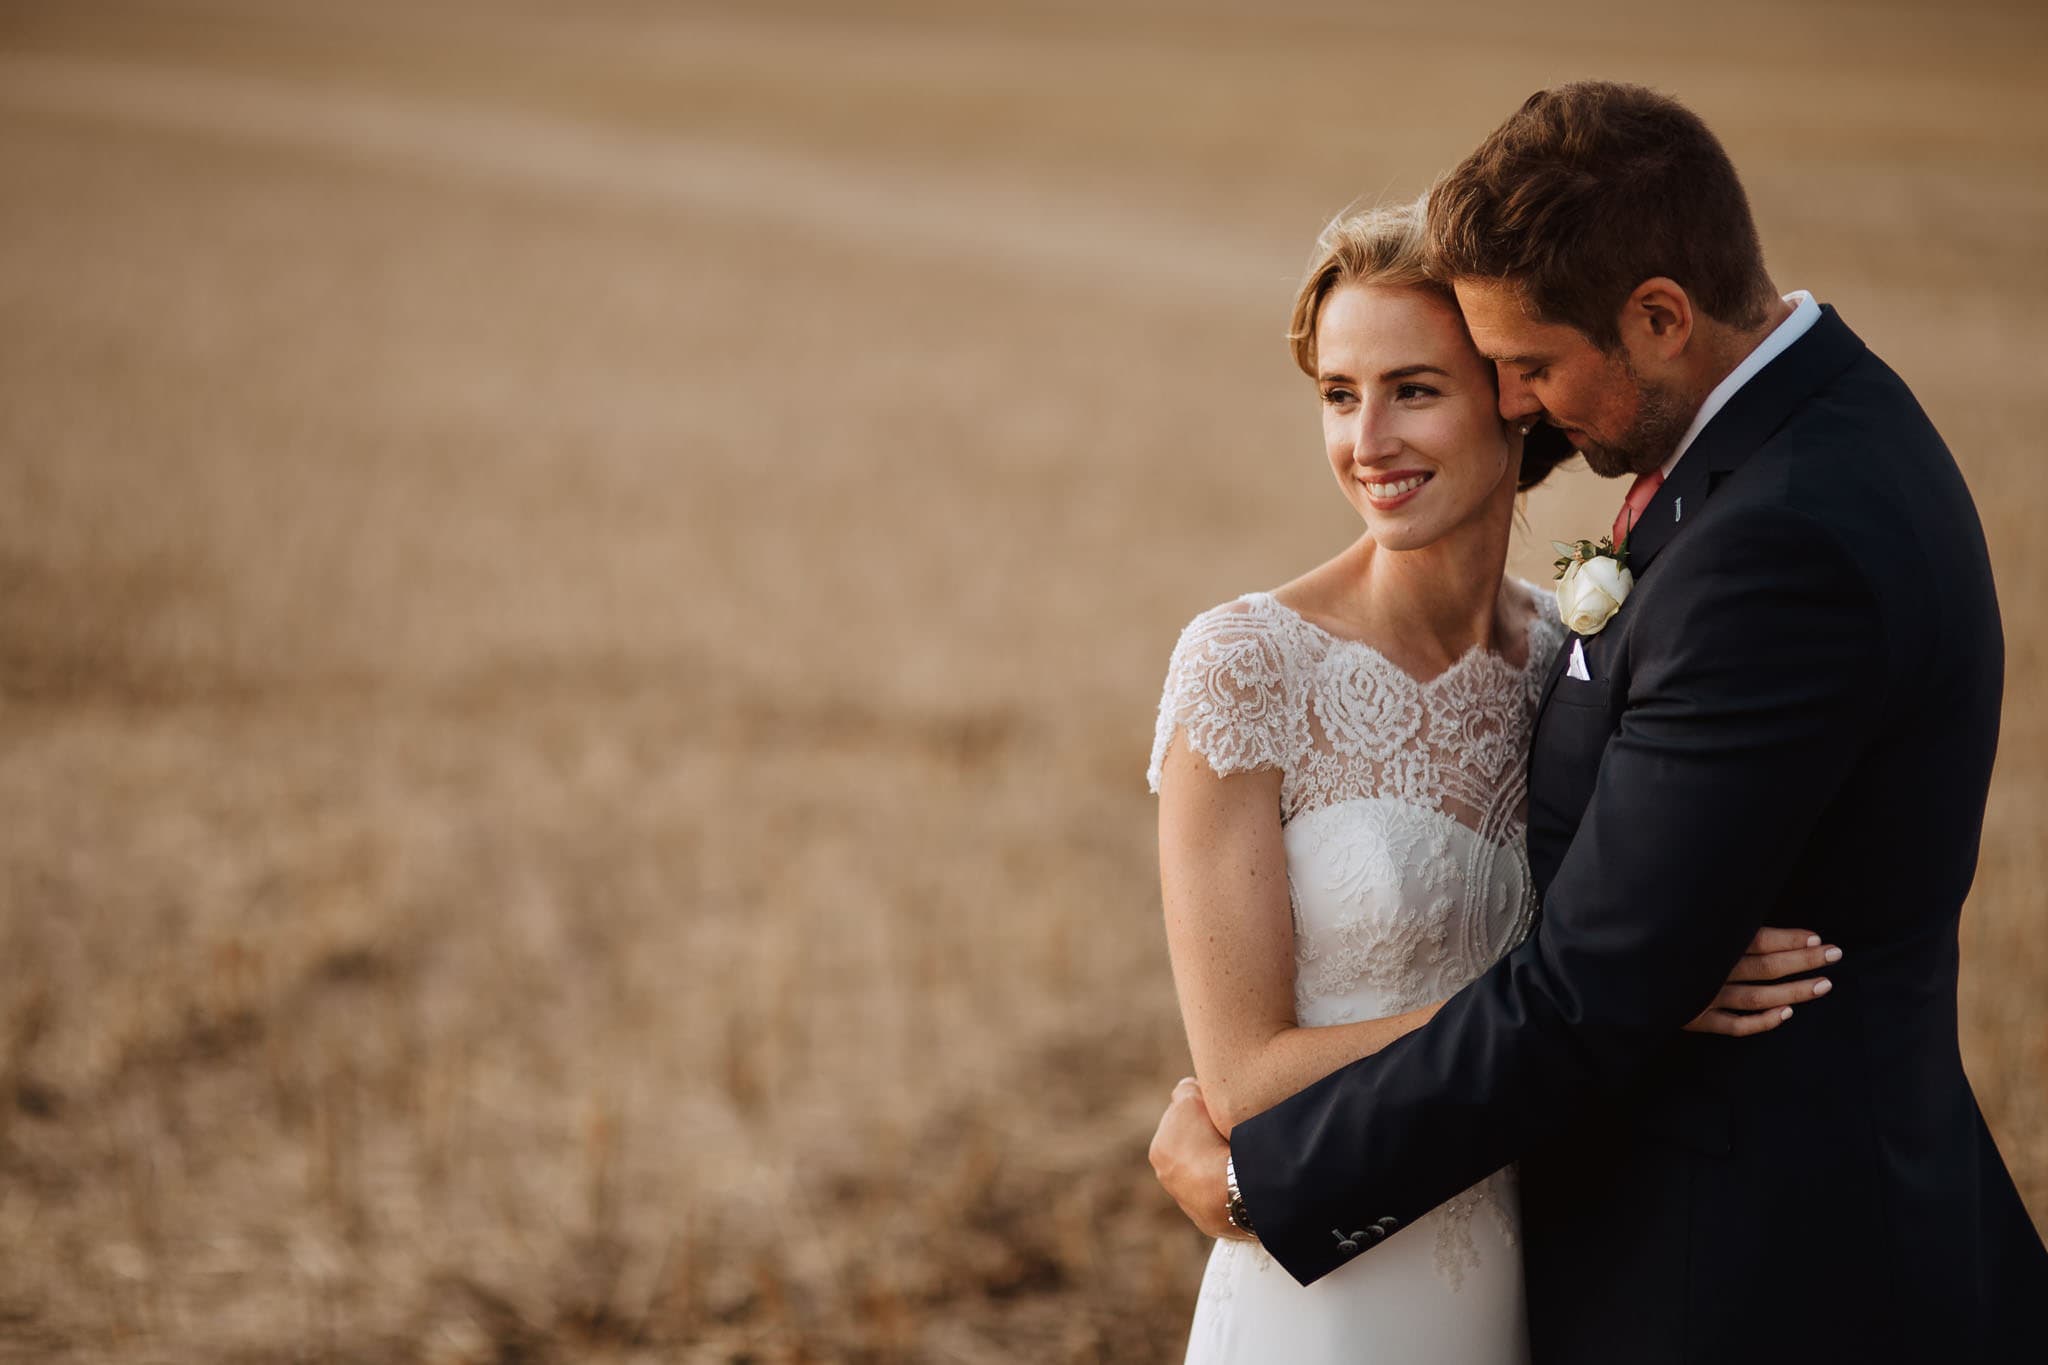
1369, 246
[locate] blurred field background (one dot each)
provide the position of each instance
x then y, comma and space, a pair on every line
582, 591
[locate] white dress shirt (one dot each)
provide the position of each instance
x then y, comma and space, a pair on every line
1805, 312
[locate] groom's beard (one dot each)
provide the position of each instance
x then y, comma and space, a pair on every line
1661, 419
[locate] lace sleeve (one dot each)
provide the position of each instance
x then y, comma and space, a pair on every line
1228, 689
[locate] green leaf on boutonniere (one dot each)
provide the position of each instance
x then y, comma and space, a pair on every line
1586, 551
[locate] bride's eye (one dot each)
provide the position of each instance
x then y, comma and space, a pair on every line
1337, 398
1408, 391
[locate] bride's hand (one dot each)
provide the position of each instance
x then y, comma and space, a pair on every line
1744, 1007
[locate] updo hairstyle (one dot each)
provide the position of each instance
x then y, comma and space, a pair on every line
1386, 246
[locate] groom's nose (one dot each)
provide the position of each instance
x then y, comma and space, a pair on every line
1518, 403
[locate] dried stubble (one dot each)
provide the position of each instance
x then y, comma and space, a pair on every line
579, 611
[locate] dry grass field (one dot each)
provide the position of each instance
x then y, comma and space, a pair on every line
582, 591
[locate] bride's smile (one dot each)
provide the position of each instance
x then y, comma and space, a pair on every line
1388, 491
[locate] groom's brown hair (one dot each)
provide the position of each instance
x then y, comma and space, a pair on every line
1588, 190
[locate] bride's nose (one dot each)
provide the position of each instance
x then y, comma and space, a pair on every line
1376, 436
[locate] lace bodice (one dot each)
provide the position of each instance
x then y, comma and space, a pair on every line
1402, 810
1402, 803
1256, 685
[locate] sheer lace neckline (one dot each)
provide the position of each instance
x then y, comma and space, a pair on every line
1531, 645
1255, 684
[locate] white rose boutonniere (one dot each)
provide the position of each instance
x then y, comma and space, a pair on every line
1592, 583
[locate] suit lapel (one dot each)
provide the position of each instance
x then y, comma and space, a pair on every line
1748, 419
1740, 428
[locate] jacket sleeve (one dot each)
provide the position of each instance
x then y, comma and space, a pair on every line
1754, 686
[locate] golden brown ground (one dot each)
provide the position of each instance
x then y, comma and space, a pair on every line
582, 589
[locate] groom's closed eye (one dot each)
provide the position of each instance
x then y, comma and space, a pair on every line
1523, 367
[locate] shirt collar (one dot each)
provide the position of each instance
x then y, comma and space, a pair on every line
1805, 312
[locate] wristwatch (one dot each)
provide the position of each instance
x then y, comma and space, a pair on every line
1233, 1200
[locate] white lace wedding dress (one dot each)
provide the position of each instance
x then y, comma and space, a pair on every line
1402, 809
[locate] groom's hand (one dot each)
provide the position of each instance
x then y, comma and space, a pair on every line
1188, 1156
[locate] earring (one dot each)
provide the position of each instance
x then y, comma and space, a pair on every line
1528, 428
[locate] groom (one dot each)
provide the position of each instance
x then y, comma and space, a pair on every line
1791, 720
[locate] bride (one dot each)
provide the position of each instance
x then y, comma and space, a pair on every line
1341, 771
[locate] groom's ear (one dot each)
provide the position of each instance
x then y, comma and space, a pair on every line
1656, 322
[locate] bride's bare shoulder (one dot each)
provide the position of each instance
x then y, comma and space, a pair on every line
1321, 595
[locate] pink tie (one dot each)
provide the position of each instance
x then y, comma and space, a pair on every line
1639, 494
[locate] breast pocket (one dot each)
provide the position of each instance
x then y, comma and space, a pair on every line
1571, 735
1598, 694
